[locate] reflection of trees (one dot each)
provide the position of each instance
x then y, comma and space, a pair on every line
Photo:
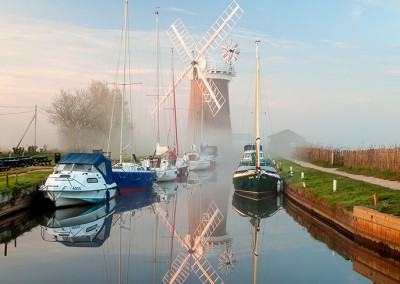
83, 117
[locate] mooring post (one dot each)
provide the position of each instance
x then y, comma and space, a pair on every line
7, 179
375, 199
334, 185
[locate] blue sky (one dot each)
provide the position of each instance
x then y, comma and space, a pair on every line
331, 68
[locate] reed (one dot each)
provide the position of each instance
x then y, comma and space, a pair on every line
382, 159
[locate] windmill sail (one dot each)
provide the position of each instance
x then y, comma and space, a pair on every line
185, 46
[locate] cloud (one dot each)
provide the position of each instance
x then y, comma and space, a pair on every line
357, 12
338, 44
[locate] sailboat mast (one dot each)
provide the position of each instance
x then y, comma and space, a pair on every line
173, 88
257, 122
157, 80
35, 128
124, 79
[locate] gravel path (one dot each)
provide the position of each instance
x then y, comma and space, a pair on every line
382, 182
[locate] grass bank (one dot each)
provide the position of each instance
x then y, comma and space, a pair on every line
22, 178
349, 192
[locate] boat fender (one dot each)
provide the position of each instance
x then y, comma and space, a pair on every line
250, 184
242, 184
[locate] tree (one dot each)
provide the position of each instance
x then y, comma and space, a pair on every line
83, 118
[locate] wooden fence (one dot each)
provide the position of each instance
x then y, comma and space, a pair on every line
382, 158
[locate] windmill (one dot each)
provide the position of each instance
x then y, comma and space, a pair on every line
209, 79
182, 267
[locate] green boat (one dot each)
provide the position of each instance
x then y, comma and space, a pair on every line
255, 180
256, 175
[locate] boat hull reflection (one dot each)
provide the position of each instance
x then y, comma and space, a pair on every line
81, 226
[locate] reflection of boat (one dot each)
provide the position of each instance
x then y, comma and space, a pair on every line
81, 226
256, 209
253, 177
80, 178
196, 179
131, 206
135, 200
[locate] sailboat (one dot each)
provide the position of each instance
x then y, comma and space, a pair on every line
130, 175
160, 162
180, 163
255, 175
255, 210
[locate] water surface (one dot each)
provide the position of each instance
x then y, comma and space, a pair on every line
153, 236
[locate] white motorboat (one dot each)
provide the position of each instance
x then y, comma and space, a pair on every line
80, 178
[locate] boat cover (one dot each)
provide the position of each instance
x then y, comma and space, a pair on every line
102, 163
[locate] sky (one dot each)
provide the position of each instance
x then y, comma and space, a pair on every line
331, 69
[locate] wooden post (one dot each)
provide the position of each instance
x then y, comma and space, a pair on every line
7, 179
16, 178
375, 199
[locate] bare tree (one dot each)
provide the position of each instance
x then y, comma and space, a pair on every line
83, 118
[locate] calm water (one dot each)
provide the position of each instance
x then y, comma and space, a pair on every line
131, 241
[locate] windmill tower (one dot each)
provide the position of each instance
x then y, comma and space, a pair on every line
209, 96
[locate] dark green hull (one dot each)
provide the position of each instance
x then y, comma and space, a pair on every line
255, 184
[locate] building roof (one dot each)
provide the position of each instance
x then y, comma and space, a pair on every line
286, 132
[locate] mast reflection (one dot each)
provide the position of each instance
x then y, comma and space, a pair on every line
256, 209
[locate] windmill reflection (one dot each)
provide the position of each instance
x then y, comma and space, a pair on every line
206, 204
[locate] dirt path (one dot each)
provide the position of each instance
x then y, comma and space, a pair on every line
382, 182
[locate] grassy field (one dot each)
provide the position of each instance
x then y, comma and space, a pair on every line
349, 192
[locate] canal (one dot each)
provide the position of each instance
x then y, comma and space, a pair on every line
153, 237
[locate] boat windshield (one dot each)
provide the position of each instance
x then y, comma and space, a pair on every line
75, 167
247, 155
